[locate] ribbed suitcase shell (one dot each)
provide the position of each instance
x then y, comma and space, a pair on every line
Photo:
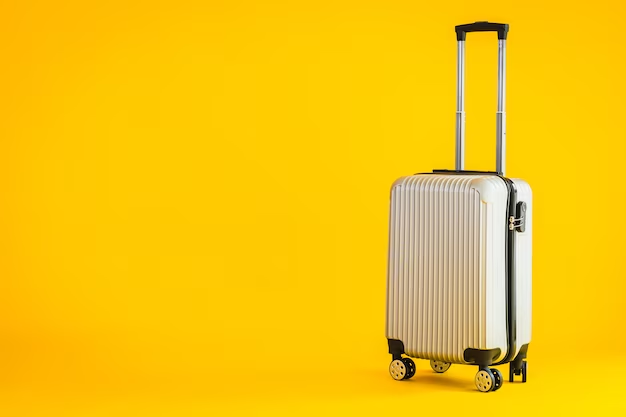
446, 286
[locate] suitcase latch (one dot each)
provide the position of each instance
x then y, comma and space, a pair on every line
518, 222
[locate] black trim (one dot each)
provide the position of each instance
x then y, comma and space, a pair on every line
396, 348
481, 357
517, 362
511, 309
462, 30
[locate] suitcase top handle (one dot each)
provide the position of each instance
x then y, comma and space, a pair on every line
461, 32
501, 28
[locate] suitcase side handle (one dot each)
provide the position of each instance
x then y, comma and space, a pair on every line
461, 32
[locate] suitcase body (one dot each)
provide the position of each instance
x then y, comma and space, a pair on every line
459, 277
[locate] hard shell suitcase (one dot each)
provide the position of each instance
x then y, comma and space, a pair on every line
460, 251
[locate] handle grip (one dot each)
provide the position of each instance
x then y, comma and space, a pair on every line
501, 28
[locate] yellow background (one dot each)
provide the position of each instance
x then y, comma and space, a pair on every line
194, 197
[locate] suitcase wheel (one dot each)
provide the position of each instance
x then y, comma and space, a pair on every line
485, 380
439, 366
403, 368
498, 378
410, 366
398, 369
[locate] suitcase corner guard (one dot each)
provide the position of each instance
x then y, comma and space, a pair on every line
396, 348
481, 357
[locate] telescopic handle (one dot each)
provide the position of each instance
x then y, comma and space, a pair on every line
461, 31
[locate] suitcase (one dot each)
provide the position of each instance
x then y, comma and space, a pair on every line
460, 251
